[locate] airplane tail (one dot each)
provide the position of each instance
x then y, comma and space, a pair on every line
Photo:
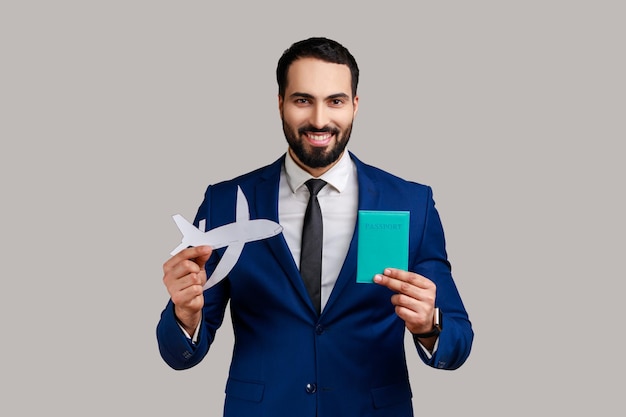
189, 233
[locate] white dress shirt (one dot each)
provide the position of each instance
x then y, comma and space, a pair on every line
338, 200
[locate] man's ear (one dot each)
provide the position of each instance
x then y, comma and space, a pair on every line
355, 104
280, 104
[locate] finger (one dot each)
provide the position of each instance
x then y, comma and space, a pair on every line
197, 252
187, 296
191, 279
417, 313
397, 286
183, 275
416, 321
408, 302
410, 277
201, 260
422, 307
409, 315
179, 270
185, 288
409, 284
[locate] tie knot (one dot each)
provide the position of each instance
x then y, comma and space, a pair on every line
315, 185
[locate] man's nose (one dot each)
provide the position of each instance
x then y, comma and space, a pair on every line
320, 118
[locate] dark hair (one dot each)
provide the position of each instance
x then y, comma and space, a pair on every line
320, 48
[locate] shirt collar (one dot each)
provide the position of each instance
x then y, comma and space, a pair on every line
337, 176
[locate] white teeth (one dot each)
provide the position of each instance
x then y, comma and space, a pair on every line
319, 137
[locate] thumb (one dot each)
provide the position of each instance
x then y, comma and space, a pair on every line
203, 256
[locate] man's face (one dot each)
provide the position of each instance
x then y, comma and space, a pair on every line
317, 112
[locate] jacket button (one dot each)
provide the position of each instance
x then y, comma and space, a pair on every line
311, 388
319, 329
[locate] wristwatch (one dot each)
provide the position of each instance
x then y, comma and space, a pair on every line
437, 326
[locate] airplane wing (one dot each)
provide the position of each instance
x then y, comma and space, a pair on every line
242, 213
228, 261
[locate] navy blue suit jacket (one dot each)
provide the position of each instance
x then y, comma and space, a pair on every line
288, 361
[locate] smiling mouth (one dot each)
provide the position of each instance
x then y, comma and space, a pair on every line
319, 137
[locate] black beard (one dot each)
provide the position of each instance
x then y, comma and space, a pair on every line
317, 157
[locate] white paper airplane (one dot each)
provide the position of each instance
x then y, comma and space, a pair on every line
234, 235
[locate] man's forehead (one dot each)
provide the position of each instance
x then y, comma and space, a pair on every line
316, 77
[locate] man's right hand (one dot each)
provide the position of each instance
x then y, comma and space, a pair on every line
184, 276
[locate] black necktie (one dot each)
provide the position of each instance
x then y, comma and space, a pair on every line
311, 251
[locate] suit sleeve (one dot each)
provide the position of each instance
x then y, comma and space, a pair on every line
175, 348
431, 261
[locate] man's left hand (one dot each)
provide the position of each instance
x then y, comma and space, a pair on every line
414, 298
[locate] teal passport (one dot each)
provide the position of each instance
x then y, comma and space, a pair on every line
383, 242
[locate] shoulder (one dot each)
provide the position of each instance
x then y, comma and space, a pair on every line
385, 180
247, 180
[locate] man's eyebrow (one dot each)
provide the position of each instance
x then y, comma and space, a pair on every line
338, 95
330, 97
303, 95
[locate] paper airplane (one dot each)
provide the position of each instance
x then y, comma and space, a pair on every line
233, 235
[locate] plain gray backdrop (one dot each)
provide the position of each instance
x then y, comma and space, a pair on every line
115, 115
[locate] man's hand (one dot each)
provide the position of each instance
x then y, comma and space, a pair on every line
184, 277
414, 299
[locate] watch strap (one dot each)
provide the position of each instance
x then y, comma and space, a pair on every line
437, 326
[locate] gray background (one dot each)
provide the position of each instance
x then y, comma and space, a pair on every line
116, 115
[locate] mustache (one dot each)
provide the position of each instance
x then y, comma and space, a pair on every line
327, 129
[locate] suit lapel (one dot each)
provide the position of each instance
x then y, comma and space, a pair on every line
266, 205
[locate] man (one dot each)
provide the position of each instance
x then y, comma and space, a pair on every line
289, 359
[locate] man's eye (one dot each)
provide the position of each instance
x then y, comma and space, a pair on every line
302, 100
337, 102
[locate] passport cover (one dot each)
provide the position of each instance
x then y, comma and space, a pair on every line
383, 242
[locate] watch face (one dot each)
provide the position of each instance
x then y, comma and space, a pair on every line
438, 319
